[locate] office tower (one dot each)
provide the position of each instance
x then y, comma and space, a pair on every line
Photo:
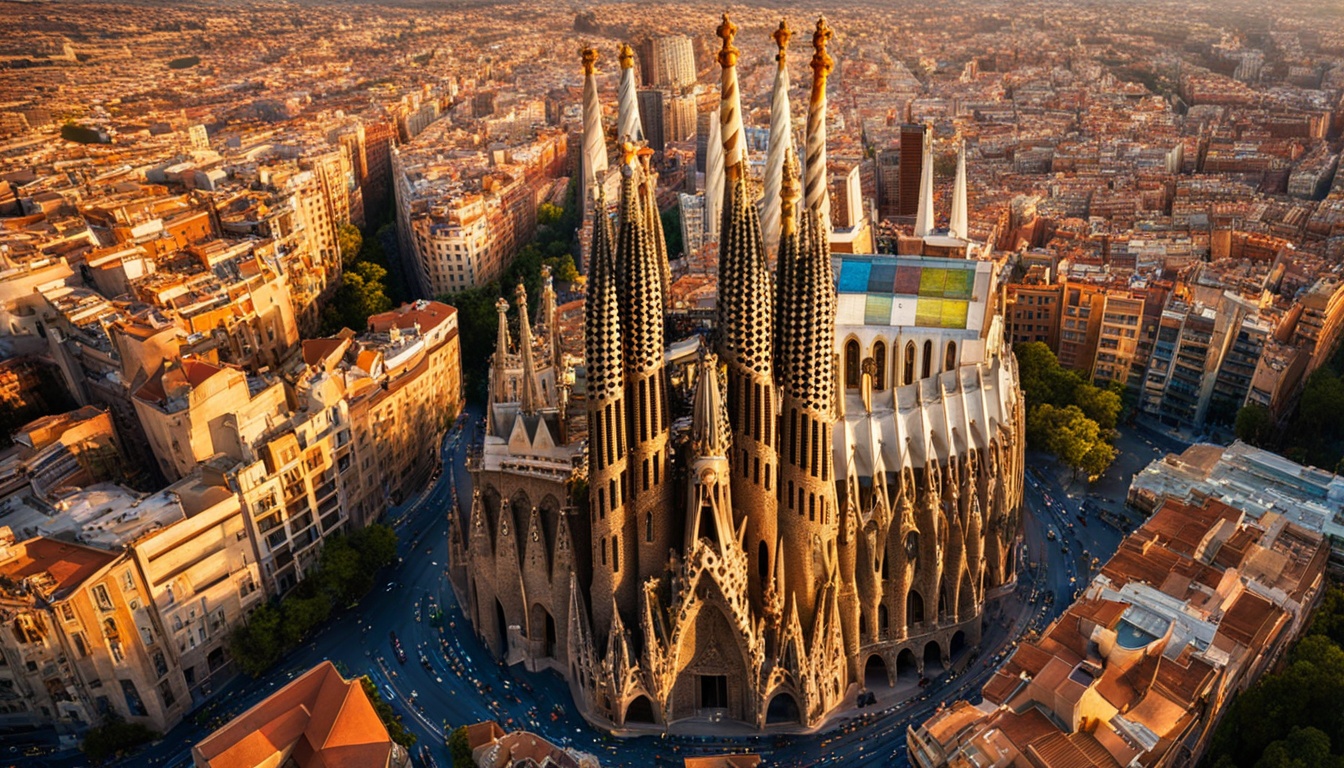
911, 167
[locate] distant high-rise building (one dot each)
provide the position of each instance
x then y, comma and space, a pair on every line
702, 121
911, 166
483, 104
667, 61
652, 114
679, 118
888, 183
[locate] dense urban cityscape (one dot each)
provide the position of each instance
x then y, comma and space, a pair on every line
639, 384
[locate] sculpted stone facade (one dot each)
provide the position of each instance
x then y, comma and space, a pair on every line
842, 502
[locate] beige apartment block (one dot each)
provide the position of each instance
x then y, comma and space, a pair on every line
291, 492
203, 577
85, 639
192, 410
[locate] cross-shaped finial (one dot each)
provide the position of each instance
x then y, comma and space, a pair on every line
628, 153
728, 54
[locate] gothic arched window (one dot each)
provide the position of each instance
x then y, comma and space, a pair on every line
909, 363
852, 364
880, 359
927, 362
950, 359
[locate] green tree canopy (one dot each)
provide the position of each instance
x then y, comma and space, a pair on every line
349, 240
1255, 424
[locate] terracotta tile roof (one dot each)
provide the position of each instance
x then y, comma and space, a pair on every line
320, 719
1249, 619
426, 314
68, 564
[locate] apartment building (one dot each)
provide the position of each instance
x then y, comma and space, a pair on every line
84, 640
1196, 604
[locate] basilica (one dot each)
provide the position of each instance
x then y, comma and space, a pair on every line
815, 499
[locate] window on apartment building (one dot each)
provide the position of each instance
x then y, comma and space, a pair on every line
128, 580
67, 612
101, 598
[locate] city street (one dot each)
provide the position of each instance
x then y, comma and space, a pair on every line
449, 679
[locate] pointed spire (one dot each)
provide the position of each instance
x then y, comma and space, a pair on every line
548, 314
658, 239
639, 282
816, 195
730, 102
601, 316
781, 142
711, 434
628, 124
786, 263
924, 216
957, 225
530, 396
594, 158
714, 180
500, 393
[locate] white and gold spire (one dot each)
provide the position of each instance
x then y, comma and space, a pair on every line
816, 196
957, 225
628, 125
730, 102
594, 160
714, 178
924, 216
781, 142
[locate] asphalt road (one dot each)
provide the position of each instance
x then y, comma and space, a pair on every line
449, 679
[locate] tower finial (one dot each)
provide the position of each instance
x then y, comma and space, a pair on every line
727, 54
589, 57
788, 195
822, 63
627, 56
782, 36
629, 152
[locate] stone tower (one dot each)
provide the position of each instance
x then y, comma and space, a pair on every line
606, 422
745, 318
646, 538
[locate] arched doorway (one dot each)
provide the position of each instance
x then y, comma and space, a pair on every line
957, 644
501, 631
783, 709
542, 627
875, 673
640, 710
907, 666
933, 659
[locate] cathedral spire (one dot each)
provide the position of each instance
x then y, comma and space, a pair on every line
628, 124
786, 263
548, 315
745, 338
781, 142
648, 534
710, 433
957, 225
730, 102
594, 158
816, 195
498, 379
530, 396
924, 216
712, 215
649, 198
602, 323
